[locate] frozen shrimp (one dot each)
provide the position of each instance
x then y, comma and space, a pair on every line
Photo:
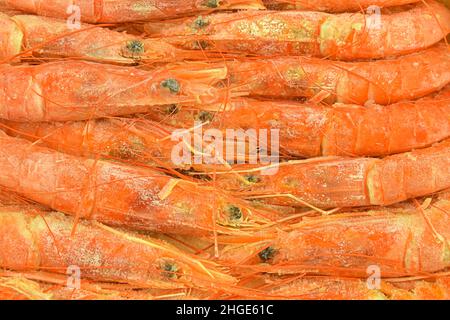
35, 240
117, 11
398, 242
40, 285
78, 90
40, 37
121, 195
382, 81
18, 287
332, 5
330, 182
311, 129
134, 140
331, 288
346, 36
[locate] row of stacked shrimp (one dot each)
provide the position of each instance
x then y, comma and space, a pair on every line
359, 92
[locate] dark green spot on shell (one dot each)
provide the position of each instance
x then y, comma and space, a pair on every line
172, 84
212, 3
133, 49
267, 254
170, 270
234, 213
200, 22
122, 151
191, 173
252, 178
205, 116
127, 150
136, 46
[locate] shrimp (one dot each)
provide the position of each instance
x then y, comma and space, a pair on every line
42, 37
135, 141
39, 285
332, 5
35, 240
121, 195
18, 287
117, 11
382, 81
311, 130
346, 36
331, 182
398, 242
78, 90
331, 288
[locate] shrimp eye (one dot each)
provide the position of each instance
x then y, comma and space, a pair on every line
200, 22
234, 213
205, 116
172, 109
170, 270
212, 3
171, 84
136, 46
252, 178
267, 254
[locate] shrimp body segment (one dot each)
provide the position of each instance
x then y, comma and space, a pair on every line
348, 182
48, 241
117, 11
77, 90
49, 37
346, 36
